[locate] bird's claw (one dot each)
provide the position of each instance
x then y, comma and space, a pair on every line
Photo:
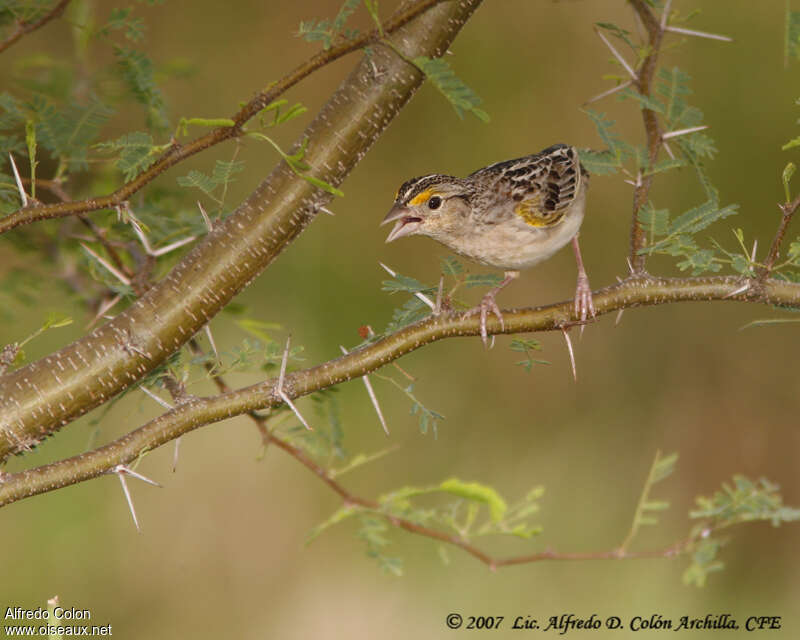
488, 304
584, 305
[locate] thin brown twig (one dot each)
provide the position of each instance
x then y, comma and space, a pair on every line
222, 385
412, 527
26, 27
57, 189
787, 210
645, 73
178, 152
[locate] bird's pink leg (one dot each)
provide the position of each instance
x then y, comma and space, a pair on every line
488, 304
584, 307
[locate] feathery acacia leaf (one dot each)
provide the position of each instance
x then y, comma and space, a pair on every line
451, 86
136, 152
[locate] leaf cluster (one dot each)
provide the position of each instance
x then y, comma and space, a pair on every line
739, 502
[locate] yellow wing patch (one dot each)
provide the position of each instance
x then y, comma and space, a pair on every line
531, 212
421, 198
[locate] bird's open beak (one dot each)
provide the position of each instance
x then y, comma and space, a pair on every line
406, 224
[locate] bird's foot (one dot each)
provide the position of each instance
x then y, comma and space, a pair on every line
584, 305
487, 305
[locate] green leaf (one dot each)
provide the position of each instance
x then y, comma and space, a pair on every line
445, 80
452, 266
616, 146
341, 514
483, 280
794, 142
665, 165
647, 102
136, 152
198, 180
321, 184
213, 123
663, 467
654, 221
700, 217
325, 30
673, 85
786, 177
120, 19
477, 492
136, 70
618, 32
401, 283
599, 162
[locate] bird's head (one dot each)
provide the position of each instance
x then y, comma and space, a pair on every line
433, 206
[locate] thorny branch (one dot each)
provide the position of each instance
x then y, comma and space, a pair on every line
632, 292
26, 27
787, 211
644, 82
457, 541
178, 152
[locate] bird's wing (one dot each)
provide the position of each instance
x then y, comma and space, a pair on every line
542, 185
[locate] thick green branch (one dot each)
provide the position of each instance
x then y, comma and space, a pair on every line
39, 398
632, 292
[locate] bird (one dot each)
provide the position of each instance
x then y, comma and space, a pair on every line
510, 215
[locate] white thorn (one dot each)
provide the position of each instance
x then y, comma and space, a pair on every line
127, 493
682, 132
153, 396
418, 295
665, 14
142, 237
630, 266
119, 276
609, 92
753, 254
619, 317
372, 397
175, 453
171, 247
617, 55
284, 360
281, 393
121, 470
698, 34
146, 244
288, 401
439, 293
206, 219
571, 354
22, 195
667, 149
326, 210
104, 308
630, 182
210, 337
741, 289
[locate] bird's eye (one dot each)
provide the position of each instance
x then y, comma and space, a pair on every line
435, 202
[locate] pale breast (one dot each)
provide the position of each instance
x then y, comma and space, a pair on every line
511, 244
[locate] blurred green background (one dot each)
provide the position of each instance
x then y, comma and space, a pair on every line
222, 548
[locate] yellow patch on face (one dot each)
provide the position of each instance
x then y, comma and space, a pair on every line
533, 215
421, 198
